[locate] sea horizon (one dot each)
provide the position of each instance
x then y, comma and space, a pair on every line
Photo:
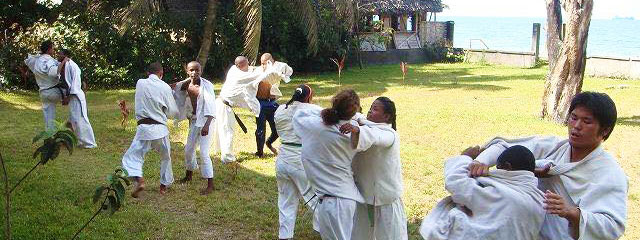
615, 37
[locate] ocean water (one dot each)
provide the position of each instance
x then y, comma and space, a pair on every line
611, 38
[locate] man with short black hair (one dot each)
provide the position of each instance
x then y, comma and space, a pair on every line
196, 102
154, 105
488, 207
75, 97
46, 71
585, 188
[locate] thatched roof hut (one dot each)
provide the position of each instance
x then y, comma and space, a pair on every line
400, 6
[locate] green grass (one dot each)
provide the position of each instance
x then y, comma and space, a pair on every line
442, 109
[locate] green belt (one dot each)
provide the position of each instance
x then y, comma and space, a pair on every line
292, 144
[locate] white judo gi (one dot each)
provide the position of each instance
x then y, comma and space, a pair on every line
45, 70
284, 72
505, 205
596, 184
293, 184
153, 99
326, 156
378, 175
78, 116
239, 90
205, 106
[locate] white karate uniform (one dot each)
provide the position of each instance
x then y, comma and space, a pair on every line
505, 205
283, 72
45, 70
205, 106
326, 156
596, 184
153, 99
293, 184
78, 107
236, 90
378, 175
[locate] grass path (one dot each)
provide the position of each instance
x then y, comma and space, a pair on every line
442, 109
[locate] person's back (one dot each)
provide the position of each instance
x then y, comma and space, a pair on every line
151, 96
504, 205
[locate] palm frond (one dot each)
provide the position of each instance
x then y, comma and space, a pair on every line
346, 9
307, 17
250, 12
136, 13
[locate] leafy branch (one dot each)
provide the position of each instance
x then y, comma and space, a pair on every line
53, 139
112, 193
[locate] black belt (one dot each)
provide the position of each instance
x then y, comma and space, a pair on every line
148, 121
266, 99
240, 123
292, 144
325, 196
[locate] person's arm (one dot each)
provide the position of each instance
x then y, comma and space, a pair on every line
364, 137
60, 67
464, 189
539, 146
209, 106
171, 107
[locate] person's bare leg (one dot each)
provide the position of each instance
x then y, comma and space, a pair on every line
187, 177
163, 189
209, 188
273, 150
138, 186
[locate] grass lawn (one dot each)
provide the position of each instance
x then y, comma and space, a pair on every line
442, 109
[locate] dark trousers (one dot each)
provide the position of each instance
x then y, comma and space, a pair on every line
267, 110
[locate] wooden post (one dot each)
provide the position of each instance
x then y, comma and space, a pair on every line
535, 40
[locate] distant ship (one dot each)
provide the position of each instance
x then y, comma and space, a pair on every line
623, 18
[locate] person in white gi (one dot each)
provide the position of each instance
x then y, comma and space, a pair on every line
293, 184
505, 205
46, 71
239, 90
326, 157
585, 189
268, 104
78, 117
154, 105
378, 175
196, 101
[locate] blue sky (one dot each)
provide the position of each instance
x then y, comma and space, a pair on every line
603, 9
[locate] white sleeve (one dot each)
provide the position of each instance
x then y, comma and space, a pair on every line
172, 108
209, 101
373, 136
465, 190
540, 146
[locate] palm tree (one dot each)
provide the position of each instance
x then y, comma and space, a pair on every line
250, 11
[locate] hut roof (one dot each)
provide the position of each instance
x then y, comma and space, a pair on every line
400, 6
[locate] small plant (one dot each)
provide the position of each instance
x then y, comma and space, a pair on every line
112, 195
340, 65
53, 139
404, 67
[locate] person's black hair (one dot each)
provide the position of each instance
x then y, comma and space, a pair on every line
389, 107
519, 157
601, 106
45, 46
65, 52
154, 67
299, 94
340, 105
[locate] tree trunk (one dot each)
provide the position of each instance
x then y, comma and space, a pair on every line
565, 77
554, 31
207, 36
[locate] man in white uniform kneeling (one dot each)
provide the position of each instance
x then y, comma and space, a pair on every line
154, 105
505, 205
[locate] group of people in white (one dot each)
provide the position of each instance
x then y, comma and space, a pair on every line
345, 167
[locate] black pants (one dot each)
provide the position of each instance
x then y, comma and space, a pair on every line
267, 110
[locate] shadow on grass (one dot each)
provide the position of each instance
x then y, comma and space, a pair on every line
629, 121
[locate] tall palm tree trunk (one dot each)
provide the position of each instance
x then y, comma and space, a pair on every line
207, 36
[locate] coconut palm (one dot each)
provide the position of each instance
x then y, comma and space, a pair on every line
249, 11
